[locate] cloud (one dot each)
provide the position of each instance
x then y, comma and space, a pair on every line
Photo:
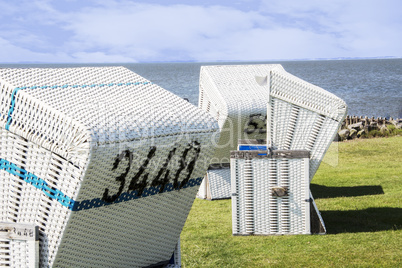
152, 31
155, 32
10, 53
129, 31
358, 28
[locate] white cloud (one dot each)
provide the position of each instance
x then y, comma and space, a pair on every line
148, 31
10, 53
126, 31
357, 28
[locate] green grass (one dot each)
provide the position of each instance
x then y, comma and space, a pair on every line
358, 189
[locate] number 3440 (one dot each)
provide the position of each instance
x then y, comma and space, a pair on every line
139, 181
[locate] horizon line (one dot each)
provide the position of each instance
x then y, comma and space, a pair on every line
210, 61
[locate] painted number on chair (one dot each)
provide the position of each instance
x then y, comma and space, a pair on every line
141, 180
257, 123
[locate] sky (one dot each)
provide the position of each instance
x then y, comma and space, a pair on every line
125, 31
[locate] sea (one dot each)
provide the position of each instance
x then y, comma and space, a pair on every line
370, 87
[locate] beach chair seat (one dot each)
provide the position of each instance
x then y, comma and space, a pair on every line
270, 192
104, 162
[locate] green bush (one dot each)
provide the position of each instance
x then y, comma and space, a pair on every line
392, 131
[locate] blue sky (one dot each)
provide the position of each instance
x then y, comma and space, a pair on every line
111, 31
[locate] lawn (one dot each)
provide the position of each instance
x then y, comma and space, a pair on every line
358, 189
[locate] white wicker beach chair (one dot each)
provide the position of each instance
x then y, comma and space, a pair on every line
300, 116
104, 162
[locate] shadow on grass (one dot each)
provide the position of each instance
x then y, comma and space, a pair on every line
320, 191
366, 220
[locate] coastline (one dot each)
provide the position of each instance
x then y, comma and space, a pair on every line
359, 127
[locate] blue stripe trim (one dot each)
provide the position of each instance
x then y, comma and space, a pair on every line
12, 105
253, 148
37, 183
15, 91
85, 204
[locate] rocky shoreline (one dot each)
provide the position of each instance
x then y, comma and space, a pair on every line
354, 127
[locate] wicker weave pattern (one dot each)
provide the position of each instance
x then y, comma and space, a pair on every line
106, 163
254, 208
19, 246
292, 89
27, 199
216, 184
65, 110
302, 116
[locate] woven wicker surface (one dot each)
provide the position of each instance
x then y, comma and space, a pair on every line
19, 245
68, 110
217, 184
255, 209
302, 116
106, 163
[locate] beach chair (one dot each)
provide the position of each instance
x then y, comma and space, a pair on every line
232, 96
299, 116
105, 163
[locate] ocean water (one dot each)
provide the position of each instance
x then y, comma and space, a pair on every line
371, 87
